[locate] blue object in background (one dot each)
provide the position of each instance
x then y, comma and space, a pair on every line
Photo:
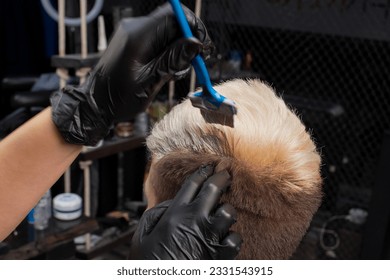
30, 216
50, 32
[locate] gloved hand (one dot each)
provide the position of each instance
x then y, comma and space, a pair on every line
144, 53
191, 226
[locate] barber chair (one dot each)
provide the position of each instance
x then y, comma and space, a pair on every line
20, 103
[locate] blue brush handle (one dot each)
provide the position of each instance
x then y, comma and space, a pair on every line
200, 67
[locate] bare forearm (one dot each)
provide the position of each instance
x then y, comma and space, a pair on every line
32, 159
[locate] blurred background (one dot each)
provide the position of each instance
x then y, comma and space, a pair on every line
328, 59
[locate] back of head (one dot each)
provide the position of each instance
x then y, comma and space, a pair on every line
275, 168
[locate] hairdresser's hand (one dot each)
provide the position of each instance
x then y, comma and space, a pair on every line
144, 53
190, 226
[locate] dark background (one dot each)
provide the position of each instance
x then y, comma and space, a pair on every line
330, 60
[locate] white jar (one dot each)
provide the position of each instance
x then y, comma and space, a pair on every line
67, 206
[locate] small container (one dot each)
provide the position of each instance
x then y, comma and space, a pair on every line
124, 129
42, 212
67, 206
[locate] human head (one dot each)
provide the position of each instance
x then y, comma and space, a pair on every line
275, 168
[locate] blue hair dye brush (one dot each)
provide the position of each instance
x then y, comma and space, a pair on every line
208, 99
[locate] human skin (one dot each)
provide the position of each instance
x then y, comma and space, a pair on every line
32, 159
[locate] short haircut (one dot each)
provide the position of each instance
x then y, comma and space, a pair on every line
275, 166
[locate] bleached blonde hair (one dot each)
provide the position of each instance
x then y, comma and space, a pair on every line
275, 167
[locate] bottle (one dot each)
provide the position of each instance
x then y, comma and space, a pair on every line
42, 212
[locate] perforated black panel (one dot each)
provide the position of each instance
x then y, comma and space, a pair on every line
330, 60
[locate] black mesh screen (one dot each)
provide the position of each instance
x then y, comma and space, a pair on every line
330, 60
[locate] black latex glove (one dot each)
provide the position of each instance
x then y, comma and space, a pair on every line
144, 53
190, 226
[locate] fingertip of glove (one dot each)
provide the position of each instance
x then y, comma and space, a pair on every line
234, 240
231, 246
228, 211
206, 170
224, 176
191, 48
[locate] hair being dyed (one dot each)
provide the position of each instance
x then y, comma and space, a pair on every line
275, 167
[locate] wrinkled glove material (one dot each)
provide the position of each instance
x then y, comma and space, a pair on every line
192, 226
144, 54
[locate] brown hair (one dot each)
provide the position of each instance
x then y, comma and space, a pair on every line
275, 168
